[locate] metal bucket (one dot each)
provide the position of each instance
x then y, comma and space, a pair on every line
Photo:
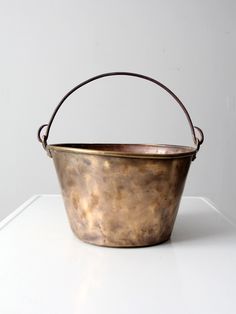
122, 195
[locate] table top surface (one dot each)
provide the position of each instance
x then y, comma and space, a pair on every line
45, 269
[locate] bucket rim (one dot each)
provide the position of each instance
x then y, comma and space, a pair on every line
151, 151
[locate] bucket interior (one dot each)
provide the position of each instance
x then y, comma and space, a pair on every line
161, 150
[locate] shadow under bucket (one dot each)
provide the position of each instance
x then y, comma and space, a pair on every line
122, 195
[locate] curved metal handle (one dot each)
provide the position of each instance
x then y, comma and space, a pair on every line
43, 139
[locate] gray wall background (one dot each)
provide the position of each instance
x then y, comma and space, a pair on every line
47, 47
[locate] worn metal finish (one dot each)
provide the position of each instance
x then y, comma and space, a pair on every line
122, 201
122, 195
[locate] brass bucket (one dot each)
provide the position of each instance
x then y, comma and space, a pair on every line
122, 195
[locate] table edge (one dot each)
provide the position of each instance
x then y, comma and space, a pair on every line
5, 221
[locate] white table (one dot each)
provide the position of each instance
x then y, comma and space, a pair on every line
45, 269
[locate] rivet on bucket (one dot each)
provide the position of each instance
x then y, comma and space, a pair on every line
122, 195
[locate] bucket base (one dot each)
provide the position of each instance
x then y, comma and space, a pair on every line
124, 246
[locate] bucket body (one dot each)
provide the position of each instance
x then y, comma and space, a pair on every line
117, 200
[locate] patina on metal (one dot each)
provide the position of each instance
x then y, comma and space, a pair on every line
122, 195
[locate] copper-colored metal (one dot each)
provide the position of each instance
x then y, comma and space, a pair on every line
122, 195
125, 197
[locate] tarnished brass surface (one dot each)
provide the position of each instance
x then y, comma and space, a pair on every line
122, 195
